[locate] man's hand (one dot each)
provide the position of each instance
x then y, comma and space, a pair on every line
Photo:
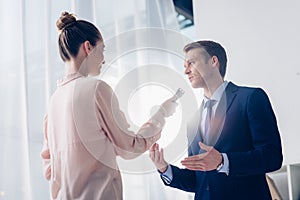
157, 157
207, 161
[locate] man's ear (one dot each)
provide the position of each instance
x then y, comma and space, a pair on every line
87, 47
215, 61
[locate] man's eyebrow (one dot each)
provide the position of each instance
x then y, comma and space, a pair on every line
189, 60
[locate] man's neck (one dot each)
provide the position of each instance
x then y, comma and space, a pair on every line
212, 86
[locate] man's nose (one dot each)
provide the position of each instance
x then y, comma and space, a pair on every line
187, 70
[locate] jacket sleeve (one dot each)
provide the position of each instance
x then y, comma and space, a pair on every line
45, 154
127, 144
266, 153
183, 179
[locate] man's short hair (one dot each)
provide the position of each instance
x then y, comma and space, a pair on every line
213, 49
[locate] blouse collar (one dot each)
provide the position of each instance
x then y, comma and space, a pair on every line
67, 78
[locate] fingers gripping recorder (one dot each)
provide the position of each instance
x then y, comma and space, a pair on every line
167, 108
178, 93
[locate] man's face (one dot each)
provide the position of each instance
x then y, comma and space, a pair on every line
197, 67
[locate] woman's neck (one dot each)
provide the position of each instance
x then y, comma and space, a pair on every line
74, 66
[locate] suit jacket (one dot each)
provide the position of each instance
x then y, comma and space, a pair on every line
246, 130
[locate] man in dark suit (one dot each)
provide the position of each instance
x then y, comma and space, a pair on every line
233, 138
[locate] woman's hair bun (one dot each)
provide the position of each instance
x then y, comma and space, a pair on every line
65, 20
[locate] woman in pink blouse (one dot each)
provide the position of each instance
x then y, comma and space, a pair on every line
84, 128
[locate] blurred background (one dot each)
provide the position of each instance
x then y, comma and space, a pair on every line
261, 39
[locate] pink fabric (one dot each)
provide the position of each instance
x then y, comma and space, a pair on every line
84, 131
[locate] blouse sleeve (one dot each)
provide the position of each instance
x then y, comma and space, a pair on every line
127, 144
45, 154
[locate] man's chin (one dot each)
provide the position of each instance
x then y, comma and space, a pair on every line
194, 85
95, 73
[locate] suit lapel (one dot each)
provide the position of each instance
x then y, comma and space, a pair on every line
230, 92
194, 132
223, 107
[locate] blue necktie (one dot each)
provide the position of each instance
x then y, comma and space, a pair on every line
208, 106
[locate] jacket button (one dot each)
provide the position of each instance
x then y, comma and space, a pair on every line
207, 188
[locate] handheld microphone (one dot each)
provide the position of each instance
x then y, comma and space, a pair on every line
178, 94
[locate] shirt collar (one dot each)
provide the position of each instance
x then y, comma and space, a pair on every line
218, 93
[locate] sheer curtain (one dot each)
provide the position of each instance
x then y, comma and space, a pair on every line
30, 66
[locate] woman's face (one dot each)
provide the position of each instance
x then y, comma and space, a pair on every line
95, 59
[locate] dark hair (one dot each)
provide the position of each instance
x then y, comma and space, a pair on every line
73, 33
213, 49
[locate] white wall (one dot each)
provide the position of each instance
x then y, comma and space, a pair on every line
263, 45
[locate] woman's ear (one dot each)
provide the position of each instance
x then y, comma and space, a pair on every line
87, 47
